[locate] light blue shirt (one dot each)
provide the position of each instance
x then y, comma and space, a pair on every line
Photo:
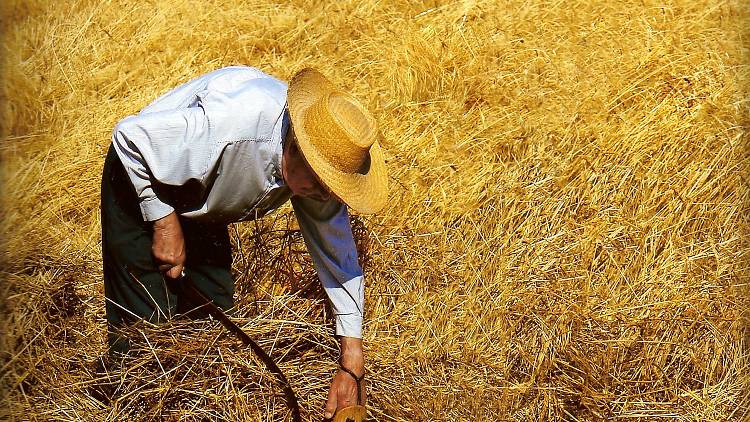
211, 150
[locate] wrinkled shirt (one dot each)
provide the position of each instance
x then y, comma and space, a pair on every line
211, 150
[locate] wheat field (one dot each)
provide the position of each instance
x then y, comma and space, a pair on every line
567, 236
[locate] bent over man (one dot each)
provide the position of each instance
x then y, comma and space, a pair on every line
229, 146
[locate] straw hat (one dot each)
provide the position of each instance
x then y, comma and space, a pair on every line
338, 140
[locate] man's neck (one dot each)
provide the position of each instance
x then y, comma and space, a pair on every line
285, 153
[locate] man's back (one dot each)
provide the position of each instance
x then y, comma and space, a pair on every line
209, 149
224, 80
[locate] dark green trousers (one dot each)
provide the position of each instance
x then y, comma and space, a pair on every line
133, 286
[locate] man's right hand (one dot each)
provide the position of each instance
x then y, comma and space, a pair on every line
168, 245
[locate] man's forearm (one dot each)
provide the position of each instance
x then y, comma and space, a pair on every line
352, 355
168, 246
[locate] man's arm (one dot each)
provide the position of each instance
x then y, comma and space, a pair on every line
168, 245
327, 232
170, 147
328, 237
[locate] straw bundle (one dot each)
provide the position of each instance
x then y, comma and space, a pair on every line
567, 237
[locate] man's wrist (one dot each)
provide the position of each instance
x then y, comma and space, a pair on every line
167, 221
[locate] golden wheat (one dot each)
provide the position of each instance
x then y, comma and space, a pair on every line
567, 237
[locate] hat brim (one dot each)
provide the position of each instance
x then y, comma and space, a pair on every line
366, 192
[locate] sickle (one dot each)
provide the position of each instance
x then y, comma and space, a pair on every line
199, 299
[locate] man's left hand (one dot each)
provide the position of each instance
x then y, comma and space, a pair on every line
343, 390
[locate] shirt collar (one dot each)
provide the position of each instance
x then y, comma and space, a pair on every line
279, 152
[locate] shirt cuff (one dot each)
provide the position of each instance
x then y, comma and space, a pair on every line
154, 209
349, 325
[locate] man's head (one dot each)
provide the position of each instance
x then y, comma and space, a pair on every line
336, 137
297, 174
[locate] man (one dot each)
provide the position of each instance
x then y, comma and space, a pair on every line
233, 145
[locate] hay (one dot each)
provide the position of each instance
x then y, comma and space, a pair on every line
567, 236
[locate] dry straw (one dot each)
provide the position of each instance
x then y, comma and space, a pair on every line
566, 239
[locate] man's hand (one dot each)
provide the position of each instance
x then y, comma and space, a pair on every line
168, 245
343, 390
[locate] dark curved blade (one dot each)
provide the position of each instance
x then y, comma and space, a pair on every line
195, 296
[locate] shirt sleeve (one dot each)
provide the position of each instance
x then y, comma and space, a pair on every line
167, 147
328, 236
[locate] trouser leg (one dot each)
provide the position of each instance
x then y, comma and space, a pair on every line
133, 286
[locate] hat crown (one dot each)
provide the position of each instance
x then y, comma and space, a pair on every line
345, 131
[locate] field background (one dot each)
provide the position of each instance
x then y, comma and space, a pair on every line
566, 239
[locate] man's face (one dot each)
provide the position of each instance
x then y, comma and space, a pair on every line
297, 175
